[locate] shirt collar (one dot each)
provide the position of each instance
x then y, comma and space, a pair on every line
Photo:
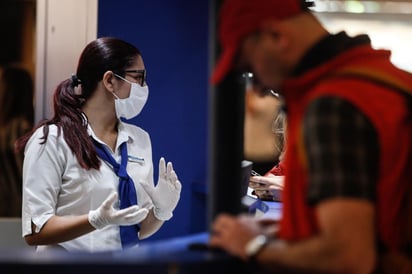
358, 52
123, 134
327, 48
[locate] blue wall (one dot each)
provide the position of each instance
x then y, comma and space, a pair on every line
173, 38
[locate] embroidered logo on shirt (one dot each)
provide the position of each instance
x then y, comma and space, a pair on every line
136, 159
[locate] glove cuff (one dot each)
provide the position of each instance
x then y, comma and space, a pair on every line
161, 214
95, 220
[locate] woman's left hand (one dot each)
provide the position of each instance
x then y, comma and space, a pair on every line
166, 194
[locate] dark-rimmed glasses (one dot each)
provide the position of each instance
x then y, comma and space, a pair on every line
138, 74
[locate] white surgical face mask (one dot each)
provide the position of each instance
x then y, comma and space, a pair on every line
131, 106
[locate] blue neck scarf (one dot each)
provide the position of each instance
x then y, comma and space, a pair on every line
127, 191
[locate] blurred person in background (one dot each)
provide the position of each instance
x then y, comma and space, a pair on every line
269, 187
259, 143
16, 119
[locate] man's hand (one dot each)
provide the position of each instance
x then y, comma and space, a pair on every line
233, 233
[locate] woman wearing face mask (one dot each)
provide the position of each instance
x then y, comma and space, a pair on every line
88, 176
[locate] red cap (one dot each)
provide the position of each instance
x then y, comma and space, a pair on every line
238, 18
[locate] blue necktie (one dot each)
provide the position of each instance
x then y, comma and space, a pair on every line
127, 191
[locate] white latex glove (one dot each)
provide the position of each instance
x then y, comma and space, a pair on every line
107, 215
166, 194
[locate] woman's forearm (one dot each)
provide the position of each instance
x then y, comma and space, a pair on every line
60, 229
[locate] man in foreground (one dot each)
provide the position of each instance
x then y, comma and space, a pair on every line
348, 141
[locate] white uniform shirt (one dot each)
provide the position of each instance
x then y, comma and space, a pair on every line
54, 183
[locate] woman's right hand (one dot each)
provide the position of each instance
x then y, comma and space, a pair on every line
106, 214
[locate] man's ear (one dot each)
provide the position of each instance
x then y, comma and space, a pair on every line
108, 80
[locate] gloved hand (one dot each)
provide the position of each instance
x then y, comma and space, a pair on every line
107, 215
166, 194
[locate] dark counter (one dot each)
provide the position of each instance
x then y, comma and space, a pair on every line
177, 255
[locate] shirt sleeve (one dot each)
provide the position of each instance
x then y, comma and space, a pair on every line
342, 150
42, 170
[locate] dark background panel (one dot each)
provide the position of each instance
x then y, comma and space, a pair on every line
173, 39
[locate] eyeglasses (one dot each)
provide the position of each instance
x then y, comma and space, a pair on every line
138, 74
252, 82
